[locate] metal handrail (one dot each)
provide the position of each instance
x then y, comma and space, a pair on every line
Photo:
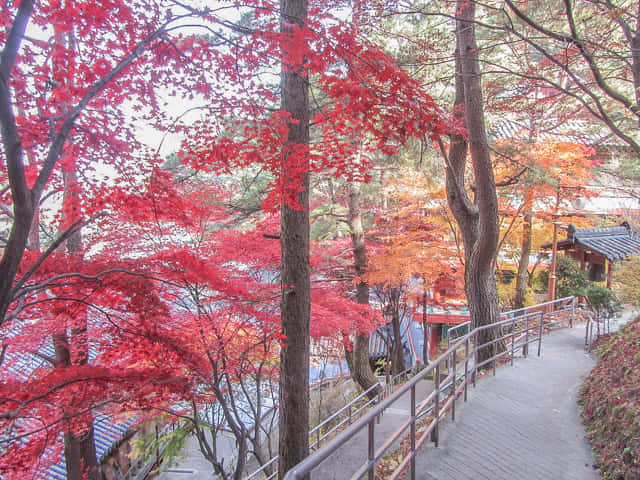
594, 317
349, 419
316, 431
405, 373
520, 331
454, 329
514, 313
263, 468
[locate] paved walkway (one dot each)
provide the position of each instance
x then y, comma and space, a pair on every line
523, 423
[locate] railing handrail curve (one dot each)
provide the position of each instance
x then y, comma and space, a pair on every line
315, 459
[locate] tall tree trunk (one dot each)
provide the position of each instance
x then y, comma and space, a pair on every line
295, 269
478, 220
79, 446
525, 253
358, 358
397, 355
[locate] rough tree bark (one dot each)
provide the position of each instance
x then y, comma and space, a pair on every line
79, 446
295, 269
477, 218
397, 355
525, 253
358, 358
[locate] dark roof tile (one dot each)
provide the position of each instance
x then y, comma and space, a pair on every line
615, 243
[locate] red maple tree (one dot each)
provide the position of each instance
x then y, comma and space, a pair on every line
78, 78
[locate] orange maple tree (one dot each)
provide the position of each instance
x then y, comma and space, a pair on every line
412, 247
545, 179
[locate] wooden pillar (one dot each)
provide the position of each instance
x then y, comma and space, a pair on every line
609, 272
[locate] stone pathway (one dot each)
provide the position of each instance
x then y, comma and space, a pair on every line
523, 423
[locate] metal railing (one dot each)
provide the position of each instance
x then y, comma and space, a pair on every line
345, 416
455, 331
598, 323
349, 413
526, 314
464, 358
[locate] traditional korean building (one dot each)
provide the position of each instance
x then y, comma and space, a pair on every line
598, 248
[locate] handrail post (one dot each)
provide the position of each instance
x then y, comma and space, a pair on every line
586, 331
495, 349
446, 362
371, 452
525, 347
454, 360
513, 340
540, 333
573, 312
466, 367
413, 432
434, 432
379, 399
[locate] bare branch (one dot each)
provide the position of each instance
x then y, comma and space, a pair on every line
512, 180
71, 116
57, 242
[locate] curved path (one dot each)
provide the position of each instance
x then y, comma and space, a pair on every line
521, 424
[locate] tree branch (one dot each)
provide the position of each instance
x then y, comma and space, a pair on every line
71, 116
513, 179
10, 136
56, 243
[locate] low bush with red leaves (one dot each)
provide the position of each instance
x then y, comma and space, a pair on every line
610, 398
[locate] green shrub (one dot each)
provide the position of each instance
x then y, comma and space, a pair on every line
603, 300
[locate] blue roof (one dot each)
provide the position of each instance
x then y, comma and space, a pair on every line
108, 432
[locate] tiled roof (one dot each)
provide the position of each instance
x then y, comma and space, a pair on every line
107, 434
574, 131
108, 431
377, 343
615, 243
